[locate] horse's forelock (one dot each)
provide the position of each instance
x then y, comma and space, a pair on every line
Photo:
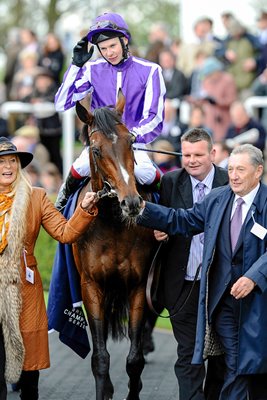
106, 119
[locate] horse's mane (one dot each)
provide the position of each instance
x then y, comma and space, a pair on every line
105, 119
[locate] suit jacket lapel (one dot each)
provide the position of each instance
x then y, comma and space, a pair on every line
256, 205
184, 189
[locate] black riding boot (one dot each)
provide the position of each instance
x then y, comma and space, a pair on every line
29, 385
69, 187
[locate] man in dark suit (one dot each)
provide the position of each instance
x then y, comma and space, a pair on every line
233, 291
180, 258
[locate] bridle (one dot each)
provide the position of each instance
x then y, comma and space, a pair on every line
107, 190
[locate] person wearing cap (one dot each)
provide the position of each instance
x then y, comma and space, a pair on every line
218, 92
140, 80
23, 321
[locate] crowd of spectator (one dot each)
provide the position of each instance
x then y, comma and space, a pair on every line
33, 73
212, 75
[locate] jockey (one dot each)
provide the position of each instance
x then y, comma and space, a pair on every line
141, 82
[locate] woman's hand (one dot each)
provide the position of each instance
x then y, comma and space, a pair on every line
89, 200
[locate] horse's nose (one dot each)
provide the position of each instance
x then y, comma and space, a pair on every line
131, 205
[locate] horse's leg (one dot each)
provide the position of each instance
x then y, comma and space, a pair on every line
135, 361
100, 361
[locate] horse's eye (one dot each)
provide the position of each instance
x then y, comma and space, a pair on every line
96, 152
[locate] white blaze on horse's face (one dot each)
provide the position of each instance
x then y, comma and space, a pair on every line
124, 174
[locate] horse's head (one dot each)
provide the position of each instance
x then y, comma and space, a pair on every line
111, 154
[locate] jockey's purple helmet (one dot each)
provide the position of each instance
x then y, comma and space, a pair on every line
108, 25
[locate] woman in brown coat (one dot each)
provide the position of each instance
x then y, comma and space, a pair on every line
23, 322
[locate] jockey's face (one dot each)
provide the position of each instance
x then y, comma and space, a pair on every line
111, 50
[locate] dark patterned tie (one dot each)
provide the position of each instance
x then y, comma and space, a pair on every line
236, 223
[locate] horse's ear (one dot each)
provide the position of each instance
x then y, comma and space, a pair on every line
83, 110
120, 102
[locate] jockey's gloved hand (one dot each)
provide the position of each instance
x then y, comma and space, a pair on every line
80, 52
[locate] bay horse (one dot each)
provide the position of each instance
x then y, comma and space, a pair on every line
114, 255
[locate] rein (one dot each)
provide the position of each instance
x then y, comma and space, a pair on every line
150, 279
172, 153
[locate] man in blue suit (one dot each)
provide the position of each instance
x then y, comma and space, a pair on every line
179, 281
232, 316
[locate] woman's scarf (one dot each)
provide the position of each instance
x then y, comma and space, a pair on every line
6, 201
10, 283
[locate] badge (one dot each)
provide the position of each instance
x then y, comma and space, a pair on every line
258, 230
29, 275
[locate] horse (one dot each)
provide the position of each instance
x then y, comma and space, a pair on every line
114, 255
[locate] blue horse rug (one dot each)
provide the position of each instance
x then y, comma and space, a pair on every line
64, 310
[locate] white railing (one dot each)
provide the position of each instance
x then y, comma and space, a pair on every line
44, 110
253, 104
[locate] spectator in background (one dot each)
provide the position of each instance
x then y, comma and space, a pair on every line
261, 60
50, 127
238, 52
197, 118
29, 40
23, 81
204, 41
165, 162
218, 93
4, 130
175, 47
222, 153
158, 38
226, 17
195, 80
12, 49
27, 138
51, 179
259, 88
34, 172
175, 80
172, 128
244, 129
52, 56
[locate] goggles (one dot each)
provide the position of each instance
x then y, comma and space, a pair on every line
105, 25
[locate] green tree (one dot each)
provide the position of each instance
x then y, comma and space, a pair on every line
43, 16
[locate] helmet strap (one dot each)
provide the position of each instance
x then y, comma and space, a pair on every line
125, 49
